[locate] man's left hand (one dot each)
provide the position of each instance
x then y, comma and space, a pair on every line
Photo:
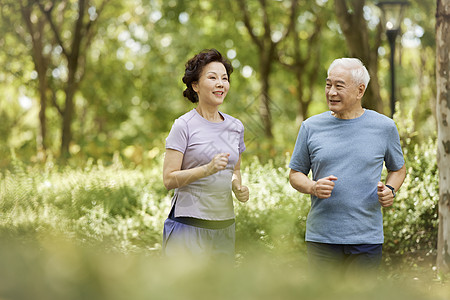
385, 196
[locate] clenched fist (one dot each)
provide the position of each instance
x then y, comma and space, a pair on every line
241, 192
218, 163
385, 195
323, 187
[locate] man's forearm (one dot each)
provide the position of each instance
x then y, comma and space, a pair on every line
396, 178
301, 182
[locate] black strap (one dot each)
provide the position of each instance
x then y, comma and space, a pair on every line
207, 224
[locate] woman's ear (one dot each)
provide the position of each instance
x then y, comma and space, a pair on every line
195, 86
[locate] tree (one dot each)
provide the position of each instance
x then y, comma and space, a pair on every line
443, 120
302, 54
59, 34
266, 45
350, 15
34, 32
74, 51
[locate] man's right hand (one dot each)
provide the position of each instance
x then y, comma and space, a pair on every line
323, 187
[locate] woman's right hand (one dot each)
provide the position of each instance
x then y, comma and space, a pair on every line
218, 163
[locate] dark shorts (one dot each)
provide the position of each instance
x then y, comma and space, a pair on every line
348, 258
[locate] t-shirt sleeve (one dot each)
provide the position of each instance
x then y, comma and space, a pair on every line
394, 159
178, 136
241, 140
300, 160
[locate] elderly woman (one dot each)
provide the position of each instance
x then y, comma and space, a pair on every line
202, 163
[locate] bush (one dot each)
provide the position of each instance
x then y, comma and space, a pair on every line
411, 224
120, 207
275, 216
124, 208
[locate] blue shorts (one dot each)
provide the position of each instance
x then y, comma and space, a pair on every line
181, 239
365, 257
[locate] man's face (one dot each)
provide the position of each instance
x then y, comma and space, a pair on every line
342, 93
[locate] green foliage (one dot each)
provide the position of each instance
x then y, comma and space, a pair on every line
97, 204
132, 91
411, 225
274, 218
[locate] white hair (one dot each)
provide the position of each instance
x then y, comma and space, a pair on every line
357, 69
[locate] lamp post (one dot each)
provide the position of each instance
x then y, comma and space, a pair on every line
391, 18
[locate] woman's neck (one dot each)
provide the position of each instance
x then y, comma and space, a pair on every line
209, 113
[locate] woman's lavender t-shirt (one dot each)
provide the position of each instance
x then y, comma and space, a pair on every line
354, 151
208, 198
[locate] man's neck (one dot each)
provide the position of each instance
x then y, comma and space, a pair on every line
349, 115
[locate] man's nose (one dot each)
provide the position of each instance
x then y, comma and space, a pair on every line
332, 91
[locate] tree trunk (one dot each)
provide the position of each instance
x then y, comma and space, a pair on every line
266, 52
73, 59
266, 60
443, 123
36, 33
358, 46
301, 103
42, 136
66, 136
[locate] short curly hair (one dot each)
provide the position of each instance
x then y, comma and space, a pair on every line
194, 68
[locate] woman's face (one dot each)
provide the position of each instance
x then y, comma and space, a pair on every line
213, 85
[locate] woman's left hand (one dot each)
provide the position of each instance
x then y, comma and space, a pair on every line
241, 193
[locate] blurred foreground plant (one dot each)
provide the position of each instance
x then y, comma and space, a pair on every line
54, 268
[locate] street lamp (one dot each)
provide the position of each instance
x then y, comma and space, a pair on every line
391, 18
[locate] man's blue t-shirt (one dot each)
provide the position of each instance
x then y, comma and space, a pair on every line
354, 151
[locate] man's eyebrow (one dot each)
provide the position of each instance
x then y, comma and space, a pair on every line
337, 81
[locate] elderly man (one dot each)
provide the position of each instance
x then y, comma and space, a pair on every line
345, 149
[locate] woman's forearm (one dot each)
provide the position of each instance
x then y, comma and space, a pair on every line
177, 179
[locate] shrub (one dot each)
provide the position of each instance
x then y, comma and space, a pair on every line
411, 224
124, 208
275, 216
120, 207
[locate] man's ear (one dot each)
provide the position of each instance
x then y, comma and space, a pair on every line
361, 90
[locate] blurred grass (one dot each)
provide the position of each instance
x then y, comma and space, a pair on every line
58, 269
